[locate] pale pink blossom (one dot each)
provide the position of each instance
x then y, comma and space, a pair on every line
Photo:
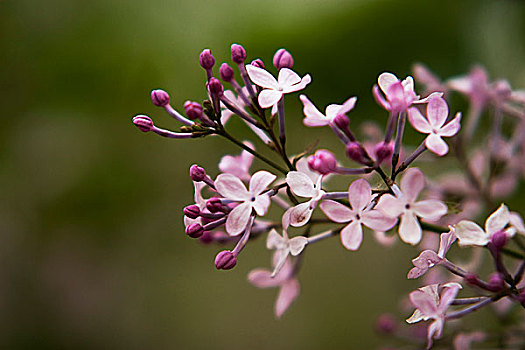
238, 165
308, 184
469, 233
273, 90
432, 302
360, 213
313, 117
434, 124
285, 279
231, 187
404, 204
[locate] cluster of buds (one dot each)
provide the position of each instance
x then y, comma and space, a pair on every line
232, 207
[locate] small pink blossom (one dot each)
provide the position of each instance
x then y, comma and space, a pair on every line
404, 204
273, 90
434, 124
360, 197
432, 303
285, 279
231, 187
238, 165
315, 118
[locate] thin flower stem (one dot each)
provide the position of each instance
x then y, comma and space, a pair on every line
519, 273
399, 139
388, 182
323, 235
469, 310
468, 301
245, 237
390, 127
422, 148
282, 124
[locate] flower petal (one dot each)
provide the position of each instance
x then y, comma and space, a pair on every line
302, 167
359, 194
300, 184
445, 241
469, 233
300, 214
287, 294
262, 77
287, 78
412, 183
436, 144
419, 122
452, 127
260, 180
238, 218
390, 205
297, 245
231, 187
268, 97
261, 204
336, 212
422, 263
430, 209
275, 240
304, 81
261, 278
334, 110
352, 235
424, 303
409, 229
377, 221
312, 115
386, 80
437, 111
497, 220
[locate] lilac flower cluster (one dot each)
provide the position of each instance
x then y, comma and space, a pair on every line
231, 208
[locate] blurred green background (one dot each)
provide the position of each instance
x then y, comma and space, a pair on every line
93, 252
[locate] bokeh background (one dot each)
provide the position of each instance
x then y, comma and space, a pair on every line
92, 249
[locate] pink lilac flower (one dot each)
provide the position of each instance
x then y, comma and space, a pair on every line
469, 233
432, 303
285, 279
315, 118
434, 124
273, 90
284, 245
429, 258
308, 184
431, 82
404, 204
238, 165
231, 187
360, 197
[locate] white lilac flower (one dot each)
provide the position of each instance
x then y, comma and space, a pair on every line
231, 187
404, 205
273, 90
313, 117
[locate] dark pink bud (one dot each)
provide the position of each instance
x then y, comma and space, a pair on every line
197, 173
341, 121
193, 110
238, 53
225, 260
472, 278
496, 282
206, 59
282, 59
356, 152
323, 161
194, 230
383, 151
386, 324
499, 239
143, 122
258, 63
214, 205
215, 87
192, 211
226, 72
160, 98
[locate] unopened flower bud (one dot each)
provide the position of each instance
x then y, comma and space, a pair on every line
214, 205
282, 59
192, 211
499, 239
385, 324
206, 59
356, 152
258, 63
472, 278
215, 87
160, 98
193, 110
323, 161
194, 230
225, 260
143, 122
226, 72
238, 53
496, 282
197, 173
341, 121
383, 151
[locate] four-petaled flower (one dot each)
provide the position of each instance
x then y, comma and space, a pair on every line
432, 303
287, 82
304, 183
469, 233
231, 187
434, 124
360, 197
313, 117
404, 204
238, 165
